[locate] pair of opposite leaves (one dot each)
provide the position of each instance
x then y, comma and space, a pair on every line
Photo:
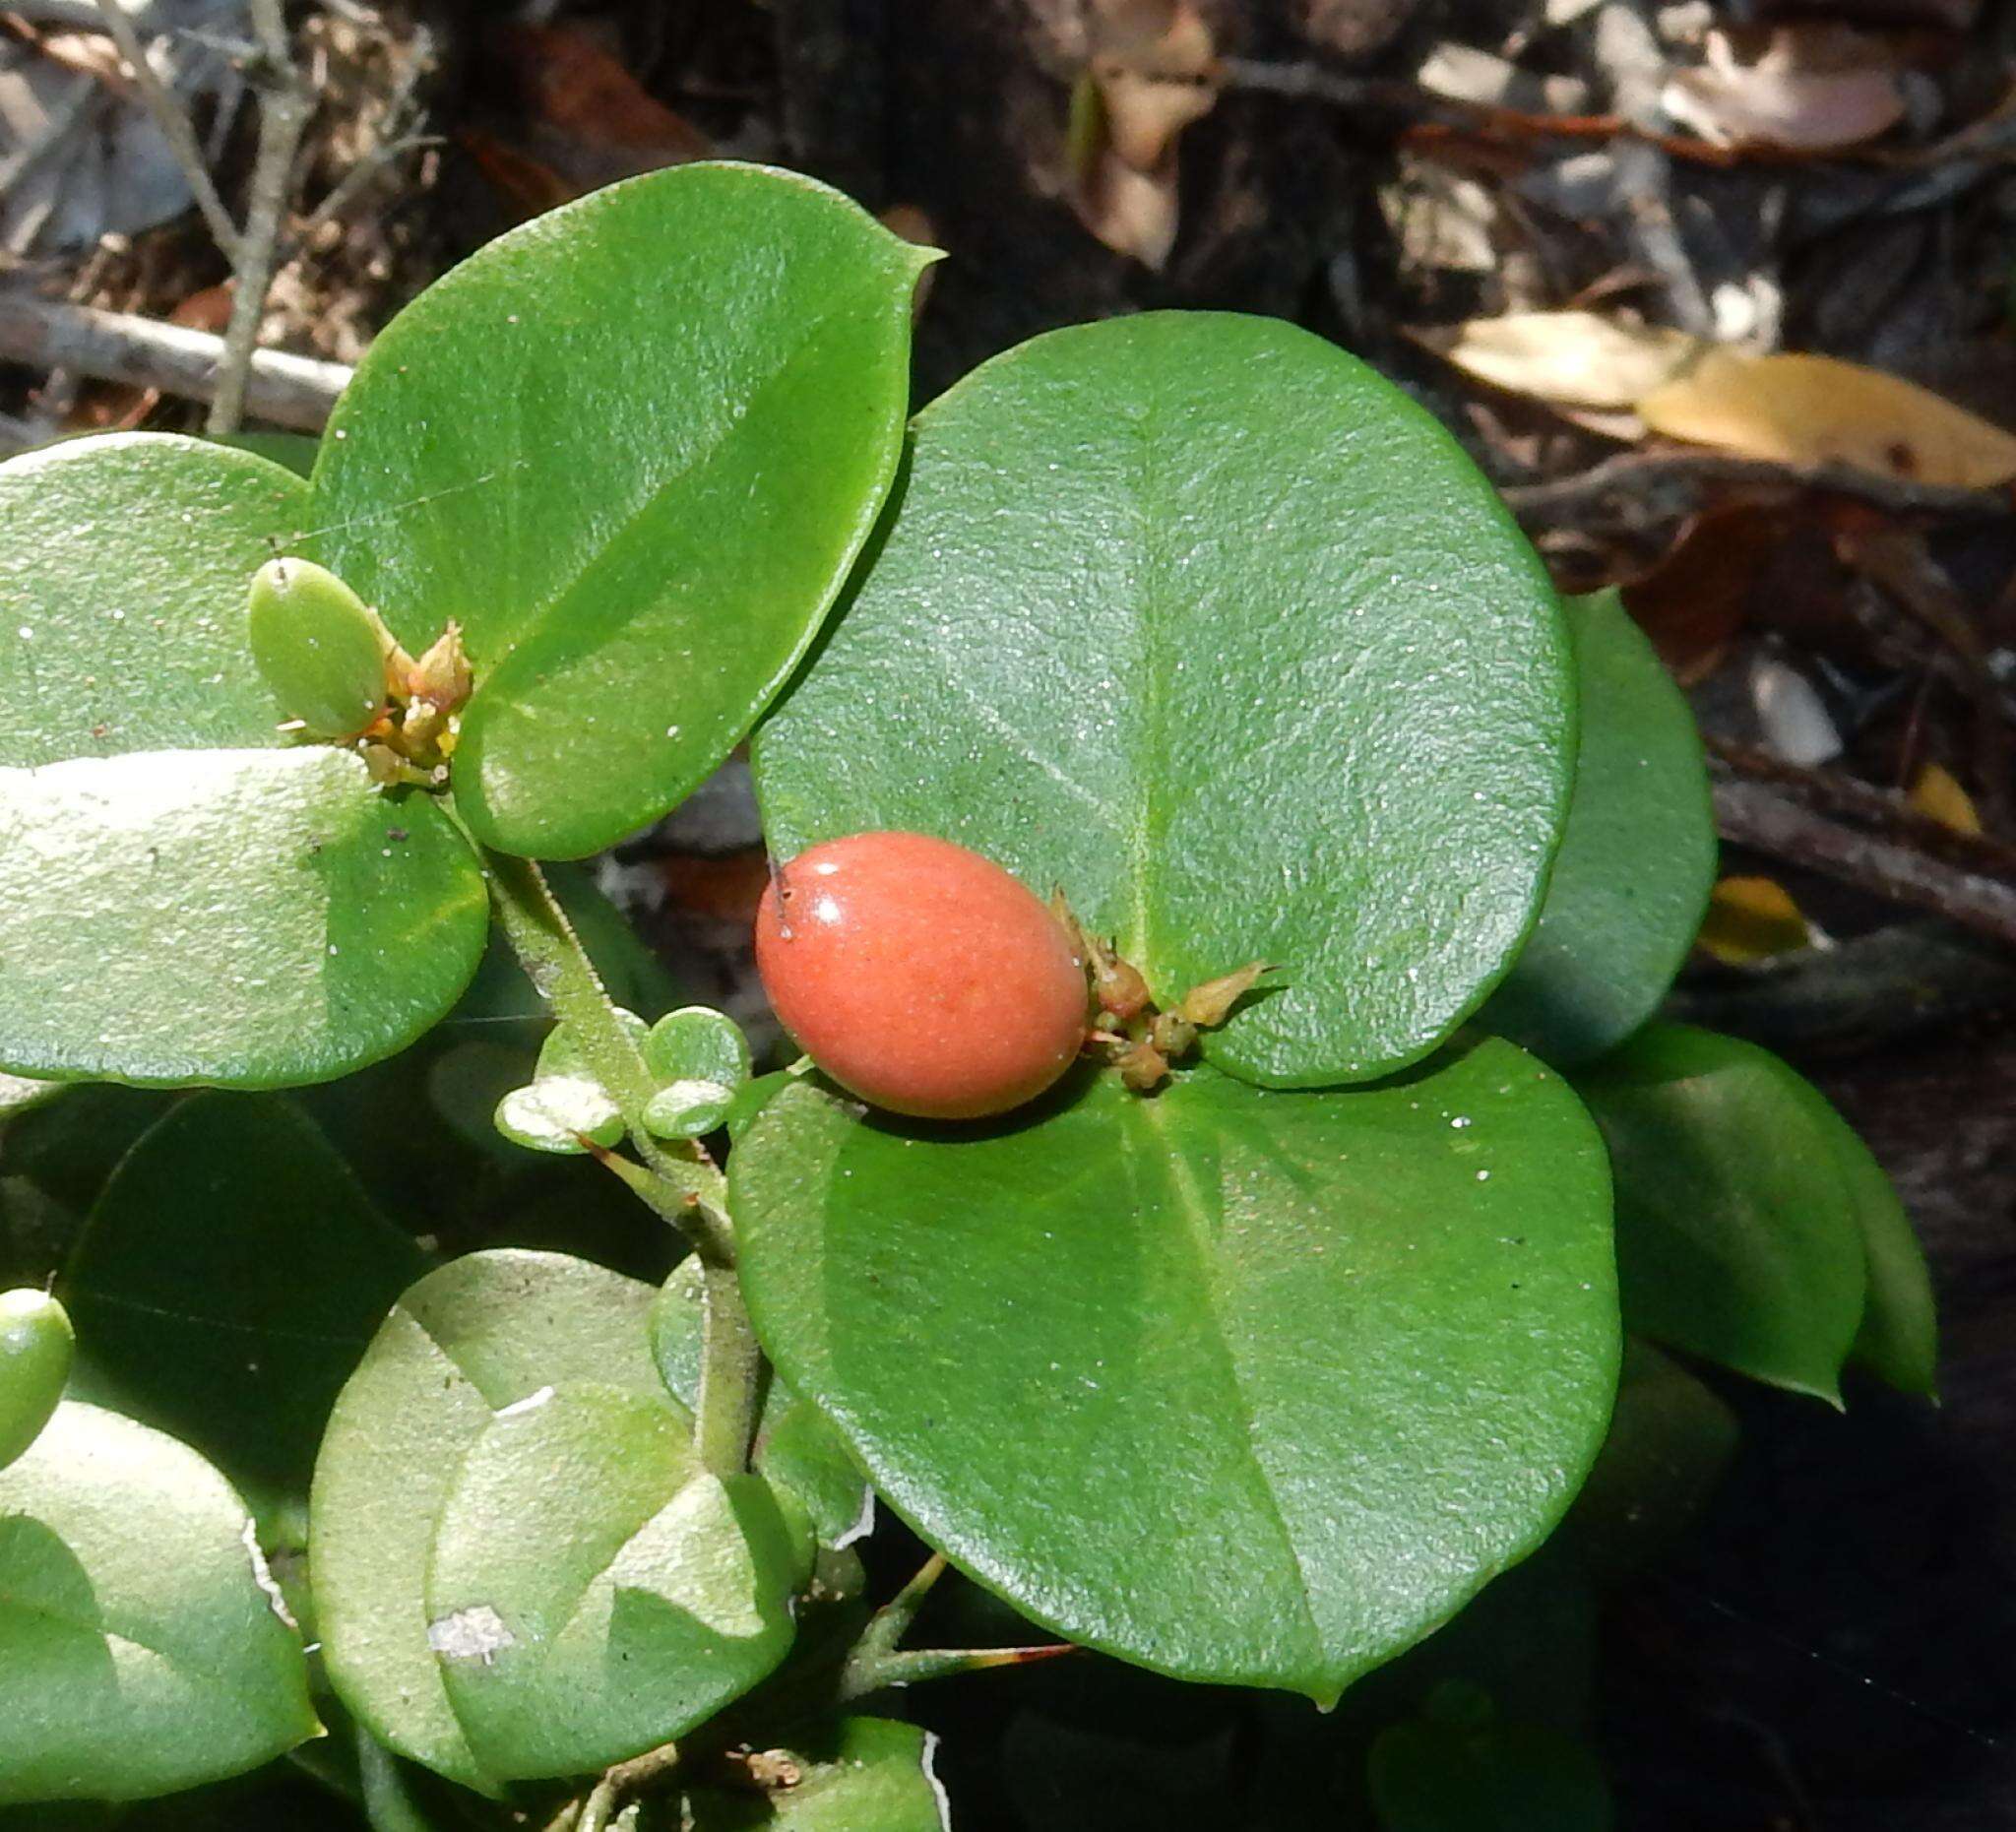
1191, 614
1291, 677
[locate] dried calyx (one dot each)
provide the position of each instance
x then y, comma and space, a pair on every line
1133, 1034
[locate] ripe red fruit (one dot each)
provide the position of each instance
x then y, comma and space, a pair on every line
921, 976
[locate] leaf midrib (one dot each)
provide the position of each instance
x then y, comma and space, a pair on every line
541, 618
1187, 1201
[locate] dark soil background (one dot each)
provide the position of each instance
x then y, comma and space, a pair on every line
1831, 1646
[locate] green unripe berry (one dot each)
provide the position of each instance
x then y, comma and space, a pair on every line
35, 1342
319, 645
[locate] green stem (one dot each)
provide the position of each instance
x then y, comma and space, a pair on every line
730, 1372
563, 975
687, 1192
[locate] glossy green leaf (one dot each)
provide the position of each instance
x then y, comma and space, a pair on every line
1898, 1338
140, 1651
853, 1775
633, 448
229, 1278
36, 1346
795, 1448
1637, 860
698, 1044
700, 1059
593, 1591
1739, 1230
454, 1369
1197, 617
1243, 1386
187, 898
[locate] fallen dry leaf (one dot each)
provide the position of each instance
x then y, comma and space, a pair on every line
1694, 600
1578, 359
1752, 920
1817, 411
578, 90
585, 122
1938, 794
1151, 71
1812, 89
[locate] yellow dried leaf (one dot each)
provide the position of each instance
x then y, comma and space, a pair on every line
1817, 411
1752, 919
1938, 795
1576, 359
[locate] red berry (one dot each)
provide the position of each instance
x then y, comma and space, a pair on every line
920, 975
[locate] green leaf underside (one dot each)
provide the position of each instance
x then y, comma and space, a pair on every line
184, 897
633, 448
1196, 617
229, 1279
124, 570
1741, 1211
856, 1774
1637, 860
139, 1653
400, 1540
795, 1449
1898, 1338
256, 918
1241, 1386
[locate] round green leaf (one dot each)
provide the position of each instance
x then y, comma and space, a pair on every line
256, 918
187, 898
633, 448
592, 1591
1197, 617
470, 1340
556, 1113
35, 1348
1244, 1386
696, 1042
1898, 1338
795, 1449
685, 1110
853, 1775
228, 1282
124, 564
139, 1648
1637, 861
1739, 1236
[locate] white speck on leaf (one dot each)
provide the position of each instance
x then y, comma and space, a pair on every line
476, 1633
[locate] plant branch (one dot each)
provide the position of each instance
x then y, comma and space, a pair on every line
1637, 474
116, 346
1759, 816
563, 975
731, 1393
285, 106
176, 127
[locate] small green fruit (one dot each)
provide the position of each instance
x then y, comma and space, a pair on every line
320, 647
35, 1341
